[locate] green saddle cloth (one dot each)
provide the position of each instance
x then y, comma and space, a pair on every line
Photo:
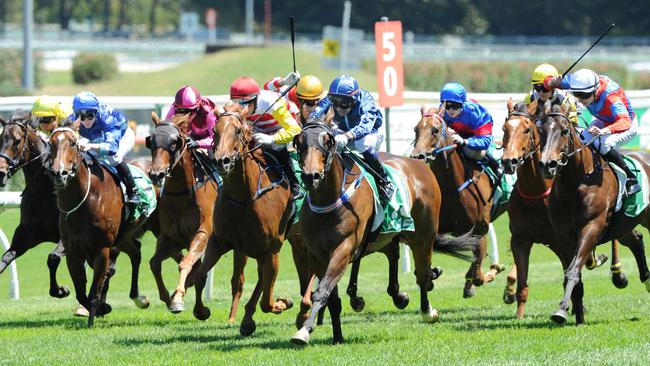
146, 193
632, 205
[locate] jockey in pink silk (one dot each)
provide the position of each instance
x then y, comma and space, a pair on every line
189, 101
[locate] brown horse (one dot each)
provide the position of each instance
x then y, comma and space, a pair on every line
91, 222
252, 214
581, 205
185, 210
338, 218
528, 205
463, 210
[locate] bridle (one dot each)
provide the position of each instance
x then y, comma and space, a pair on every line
569, 149
20, 162
531, 137
317, 142
163, 135
431, 155
75, 145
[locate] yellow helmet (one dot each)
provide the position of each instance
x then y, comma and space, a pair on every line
541, 72
47, 107
310, 88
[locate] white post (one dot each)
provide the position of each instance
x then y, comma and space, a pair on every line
208, 285
28, 34
406, 258
14, 289
345, 35
249, 21
494, 248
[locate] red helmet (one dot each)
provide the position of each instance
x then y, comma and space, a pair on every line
245, 89
187, 97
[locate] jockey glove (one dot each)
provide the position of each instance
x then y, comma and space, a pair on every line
263, 139
191, 143
552, 82
341, 141
291, 78
458, 140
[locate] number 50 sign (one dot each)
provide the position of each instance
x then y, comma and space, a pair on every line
390, 73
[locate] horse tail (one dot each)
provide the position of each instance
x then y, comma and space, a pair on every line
458, 246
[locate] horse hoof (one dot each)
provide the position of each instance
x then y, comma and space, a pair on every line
61, 292
508, 296
619, 280
301, 337
287, 301
357, 304
177, 307
469, 292
246, 329
436, 272
201, 313
647, 284
560, 317
81, 311
401, 300
103, 309
430, 316
141, 302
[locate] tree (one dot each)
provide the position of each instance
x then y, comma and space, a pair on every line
64, 14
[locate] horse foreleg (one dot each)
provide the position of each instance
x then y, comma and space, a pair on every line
213, 251
164, 250
334, 306
509, 291
337, 265
521, 253
53, 261
422, 259
305, 277
22, 241
100, 267
270, 266
195, 251
619, 279
133, 250
400, 298
248, 326
77, 270
236, 283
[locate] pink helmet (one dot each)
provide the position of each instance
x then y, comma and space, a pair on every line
187, 97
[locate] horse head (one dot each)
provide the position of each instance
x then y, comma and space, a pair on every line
231, 136
15, 143
431, 133
316, 148
167, 144
520, 137
65, 154
557, 140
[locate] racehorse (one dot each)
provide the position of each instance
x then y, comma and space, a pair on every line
92, 220
463, 210
528, 205
253, 214
185, 211
337, 220
582, 203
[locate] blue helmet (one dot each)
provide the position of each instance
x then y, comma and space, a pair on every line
453, 92
344, 86
85, 101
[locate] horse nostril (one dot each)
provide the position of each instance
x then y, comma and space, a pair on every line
552, 164
541, 164
316, 176
225, 161
514, 161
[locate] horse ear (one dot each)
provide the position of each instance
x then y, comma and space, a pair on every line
511, 105
423, 110
532, 107
155, 118
547, 106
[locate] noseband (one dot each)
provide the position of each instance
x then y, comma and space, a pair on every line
533, 148
569, 149
77, 162
433, 153
15, 164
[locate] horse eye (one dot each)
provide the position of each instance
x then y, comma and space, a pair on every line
238, 130
434, 130
565, 132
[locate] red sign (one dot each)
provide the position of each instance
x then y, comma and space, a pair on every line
211, 18
390, 73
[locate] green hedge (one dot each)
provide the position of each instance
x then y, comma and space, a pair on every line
11, 72
90, 67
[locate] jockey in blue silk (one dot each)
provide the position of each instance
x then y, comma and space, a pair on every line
105, 134
613, 121
357, 120
471, 122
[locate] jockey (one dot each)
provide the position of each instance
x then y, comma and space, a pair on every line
556, 96
189, 101
357, 120
49, 113
273, 129
107, 135
309, 92
471, 122
614, 118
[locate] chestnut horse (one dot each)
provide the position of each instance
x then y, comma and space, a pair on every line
91, 220
463, 210
581, 205
22, 148
337, 221
185, 208
252, 214
528, 205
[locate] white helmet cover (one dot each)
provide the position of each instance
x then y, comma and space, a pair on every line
583, 81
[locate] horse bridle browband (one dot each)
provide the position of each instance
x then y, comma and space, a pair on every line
531, 136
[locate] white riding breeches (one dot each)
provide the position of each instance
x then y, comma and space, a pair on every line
607, 142
126, 144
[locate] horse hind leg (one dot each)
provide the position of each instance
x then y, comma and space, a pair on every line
509, 291
634, 241
619, 279
164, 250
195, 251
135, 255
356, 302
400, 298
53, 261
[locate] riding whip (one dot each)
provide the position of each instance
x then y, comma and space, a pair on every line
589, 49
293, 41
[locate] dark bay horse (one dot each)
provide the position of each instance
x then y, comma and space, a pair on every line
528, 205
338, 215
185, 212
581, 205
252, 214
91, 220
463, 210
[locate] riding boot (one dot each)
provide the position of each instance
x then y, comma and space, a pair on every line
632, 185
494, 164
125, 175
285, 161
384, 185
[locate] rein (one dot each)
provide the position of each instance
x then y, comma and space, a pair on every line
14, 164
346, 194
533, 147
67, 213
